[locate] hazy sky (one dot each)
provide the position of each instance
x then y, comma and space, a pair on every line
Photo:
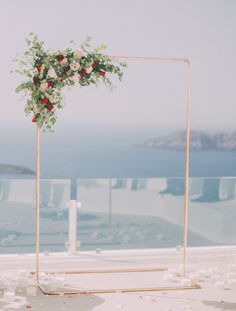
152, 94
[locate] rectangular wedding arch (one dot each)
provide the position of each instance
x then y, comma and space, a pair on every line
186, 200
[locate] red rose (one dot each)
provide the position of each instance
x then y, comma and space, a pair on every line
50, 107
39, 68
36, 80
45, 100
50, 84
34, 119
60, 57
83, 73
102, 73
94, 65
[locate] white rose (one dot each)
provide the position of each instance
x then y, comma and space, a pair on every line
52, 73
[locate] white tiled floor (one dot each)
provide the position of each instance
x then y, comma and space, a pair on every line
212, 268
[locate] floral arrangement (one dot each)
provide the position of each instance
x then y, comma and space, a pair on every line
48, 72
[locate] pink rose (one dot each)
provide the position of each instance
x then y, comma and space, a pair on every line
79, 52
64, 61
43, 86
74, 65
89, 69
52, 73
36, 109
74, 78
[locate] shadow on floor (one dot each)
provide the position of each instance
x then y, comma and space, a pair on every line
55, 303
221, 305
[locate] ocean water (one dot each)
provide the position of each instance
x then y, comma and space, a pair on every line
129, 161
124, 161
98, 153
72, 160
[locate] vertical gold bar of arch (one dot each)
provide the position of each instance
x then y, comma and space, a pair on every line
186, 191
186, 199
37, 241
187, 133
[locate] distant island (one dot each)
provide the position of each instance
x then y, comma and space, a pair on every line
199, 140
15, 169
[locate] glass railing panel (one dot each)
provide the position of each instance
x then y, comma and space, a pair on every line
118, 213
93, 223
149, 213
17, 215
130, 213
142, 212
212, 211
54, 220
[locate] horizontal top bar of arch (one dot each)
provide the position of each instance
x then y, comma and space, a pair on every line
150, 58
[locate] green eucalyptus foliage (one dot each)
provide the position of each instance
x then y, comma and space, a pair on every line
46, 73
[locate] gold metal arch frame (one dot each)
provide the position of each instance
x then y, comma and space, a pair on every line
186, 200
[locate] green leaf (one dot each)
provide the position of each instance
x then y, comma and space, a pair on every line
36, 55
19, 88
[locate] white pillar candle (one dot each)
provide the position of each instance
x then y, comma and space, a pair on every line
31, 291
185, 282
168, 277
232, 283
219, 284
194, 276
9, 296
23, 282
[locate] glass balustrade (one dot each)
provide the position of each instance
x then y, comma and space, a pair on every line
18, 215
129, 213
149, 213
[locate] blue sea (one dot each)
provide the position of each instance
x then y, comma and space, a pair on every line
100, 153
73, 153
